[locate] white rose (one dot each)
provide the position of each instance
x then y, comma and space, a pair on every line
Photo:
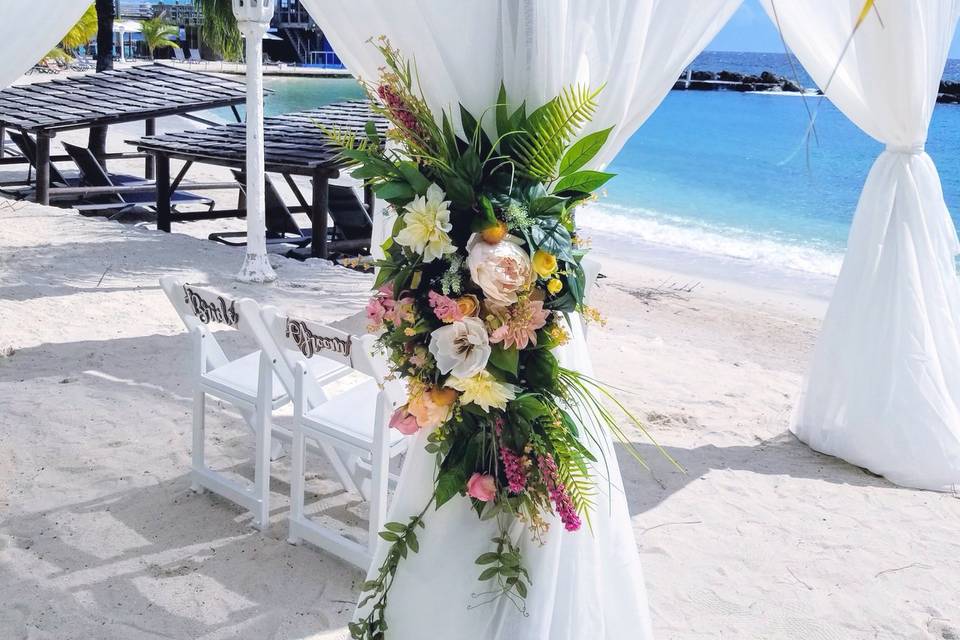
461, 348
501, 269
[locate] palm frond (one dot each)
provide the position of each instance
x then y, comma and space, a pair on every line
550, 129
219, 30
83, 31
572, 468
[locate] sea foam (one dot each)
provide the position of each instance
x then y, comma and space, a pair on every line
626, 224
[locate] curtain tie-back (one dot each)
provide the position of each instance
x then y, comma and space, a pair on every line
907, 150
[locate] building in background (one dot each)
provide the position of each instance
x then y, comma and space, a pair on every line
301, 40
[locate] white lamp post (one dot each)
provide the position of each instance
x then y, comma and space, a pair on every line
253, 18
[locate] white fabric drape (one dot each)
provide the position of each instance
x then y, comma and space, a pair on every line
585, 584
31, 28
636, 49
883, 390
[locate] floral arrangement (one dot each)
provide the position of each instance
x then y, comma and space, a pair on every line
481, 267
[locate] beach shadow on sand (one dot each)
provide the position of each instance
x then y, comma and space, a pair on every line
105, 538
782, 455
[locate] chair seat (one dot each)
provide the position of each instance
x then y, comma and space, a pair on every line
241, 376
350, 416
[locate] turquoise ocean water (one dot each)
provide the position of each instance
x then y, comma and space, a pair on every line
727, 174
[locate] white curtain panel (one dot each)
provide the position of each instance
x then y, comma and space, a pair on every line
635, 48
31, 28
883, 390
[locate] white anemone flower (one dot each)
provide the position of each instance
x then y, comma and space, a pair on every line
461, 348
427, 225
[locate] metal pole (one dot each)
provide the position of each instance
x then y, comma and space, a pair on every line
256, 266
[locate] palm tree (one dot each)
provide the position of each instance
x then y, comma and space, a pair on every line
219, 30
159, 34
105, 9
82, 32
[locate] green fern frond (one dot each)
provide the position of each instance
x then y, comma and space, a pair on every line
344, 140
572, 468
551, 128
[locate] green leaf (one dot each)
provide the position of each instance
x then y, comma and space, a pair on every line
582, 181
468, 121
503, 119
412, 174
521, 589
396, 527
550, 235
449, 483
541, 369
583, 151
488, 573
388, 536
459, 191
546, 206
488, 557
412, 542
371, 130
505, 359
394, 192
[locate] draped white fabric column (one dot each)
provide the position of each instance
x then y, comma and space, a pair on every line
29, 29
587, 584
883, 390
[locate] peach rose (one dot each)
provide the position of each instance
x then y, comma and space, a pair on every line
432, 407
482, 487
469, 305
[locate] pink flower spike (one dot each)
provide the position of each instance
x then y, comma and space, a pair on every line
482, 487
513, 468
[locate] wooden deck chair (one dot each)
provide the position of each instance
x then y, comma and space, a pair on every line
93, 175
354, 421
352, 220
282, 228
248, 383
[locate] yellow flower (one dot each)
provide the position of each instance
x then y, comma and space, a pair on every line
483, 390
427, 225
554, 286
545, 264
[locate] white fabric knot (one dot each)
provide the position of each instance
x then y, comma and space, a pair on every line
907, 150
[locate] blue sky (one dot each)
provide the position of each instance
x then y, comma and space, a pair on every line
751, 30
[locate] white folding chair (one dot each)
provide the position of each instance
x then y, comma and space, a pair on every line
354, 421
247, 382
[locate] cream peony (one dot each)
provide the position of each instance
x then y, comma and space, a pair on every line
484, 390
461, 348
427, 225
501, 270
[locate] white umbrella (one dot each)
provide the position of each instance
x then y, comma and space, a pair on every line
126, 26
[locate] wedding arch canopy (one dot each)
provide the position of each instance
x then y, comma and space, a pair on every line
28, 31
883, 390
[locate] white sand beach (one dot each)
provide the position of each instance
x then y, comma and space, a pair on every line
101, 536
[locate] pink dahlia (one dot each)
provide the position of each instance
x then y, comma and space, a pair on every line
519, 323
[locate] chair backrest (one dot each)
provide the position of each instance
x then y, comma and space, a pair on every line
28, 147
178, 54
348, 213
91, 173
279, 219
195, 55
290, 341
